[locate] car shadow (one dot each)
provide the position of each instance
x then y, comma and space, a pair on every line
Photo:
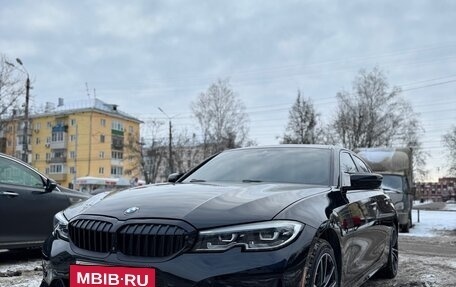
18, 255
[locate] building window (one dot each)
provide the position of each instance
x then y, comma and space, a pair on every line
101, 170
72, 154
47, 170
102, 138
37, 126
37, 141
117, 155
57, 137
118, 126
59, 154
73, 122
72, 170
103, 122
101, 154
72, 138
48, 139
130, 129
48, 156
37, 156
49, 125
56, 168
116, 170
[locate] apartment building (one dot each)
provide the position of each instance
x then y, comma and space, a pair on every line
443, 190
84, 138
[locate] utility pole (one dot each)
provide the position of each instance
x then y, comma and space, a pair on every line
26, 120
26, 110
170, 141
75, 158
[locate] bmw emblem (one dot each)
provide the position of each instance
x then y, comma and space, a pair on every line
131, 210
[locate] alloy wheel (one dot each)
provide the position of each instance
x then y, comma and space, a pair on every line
325, 275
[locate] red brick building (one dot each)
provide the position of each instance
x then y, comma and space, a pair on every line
442, 190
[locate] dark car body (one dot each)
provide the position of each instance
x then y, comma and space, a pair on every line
28, 202
247, 217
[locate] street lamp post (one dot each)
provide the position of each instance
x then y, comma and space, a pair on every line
26, 110
170, 148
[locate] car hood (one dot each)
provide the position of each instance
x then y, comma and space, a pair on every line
395, 195
202, 205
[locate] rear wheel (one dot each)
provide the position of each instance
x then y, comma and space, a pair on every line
389, 271
406, 227
322, 266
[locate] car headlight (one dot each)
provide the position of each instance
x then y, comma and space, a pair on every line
61, 226
251, 237
399, 206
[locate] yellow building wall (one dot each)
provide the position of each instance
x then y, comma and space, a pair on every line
84, 138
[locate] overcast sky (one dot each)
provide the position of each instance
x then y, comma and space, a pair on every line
143, 55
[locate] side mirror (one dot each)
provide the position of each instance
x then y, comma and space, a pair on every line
175, 176
50, 185
364, 181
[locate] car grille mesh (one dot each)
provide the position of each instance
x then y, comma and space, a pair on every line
151, 240
92, 235
139, 239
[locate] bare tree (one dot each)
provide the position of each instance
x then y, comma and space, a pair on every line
449, 141
11, 90
187, 151
374, 114
222, 118
302, 123
147, 155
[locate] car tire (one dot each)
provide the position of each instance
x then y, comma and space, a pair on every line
321, 266
406, 227
389, 271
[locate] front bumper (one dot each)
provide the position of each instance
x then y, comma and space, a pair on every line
282, 267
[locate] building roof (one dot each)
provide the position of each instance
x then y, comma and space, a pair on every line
82, 106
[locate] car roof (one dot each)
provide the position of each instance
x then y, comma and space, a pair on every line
329, 147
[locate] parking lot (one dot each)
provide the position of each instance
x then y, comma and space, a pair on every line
427, 257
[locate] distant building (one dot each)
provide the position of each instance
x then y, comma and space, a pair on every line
156, 160
87, 138
442, 190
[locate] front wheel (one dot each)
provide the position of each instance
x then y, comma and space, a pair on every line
322, 266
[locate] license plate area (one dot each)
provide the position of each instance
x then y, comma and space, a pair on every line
87, 275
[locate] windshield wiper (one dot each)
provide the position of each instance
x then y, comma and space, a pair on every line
251, 180
197, 180
391, 189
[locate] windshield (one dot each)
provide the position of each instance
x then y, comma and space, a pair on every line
392, 182
284, 165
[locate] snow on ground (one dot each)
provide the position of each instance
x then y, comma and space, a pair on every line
433, 223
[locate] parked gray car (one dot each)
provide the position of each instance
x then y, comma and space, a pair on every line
28, 202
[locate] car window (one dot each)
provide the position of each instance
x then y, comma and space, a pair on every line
346, 163
360, 164
14, 173
392, 182
286, 165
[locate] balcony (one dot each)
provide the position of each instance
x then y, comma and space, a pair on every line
62, 159
59, 144
116, 161
58, 176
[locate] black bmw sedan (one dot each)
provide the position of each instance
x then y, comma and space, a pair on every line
280, 216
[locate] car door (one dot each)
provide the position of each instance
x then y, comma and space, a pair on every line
365, 242
26, 210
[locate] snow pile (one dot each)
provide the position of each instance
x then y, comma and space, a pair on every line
433, 223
